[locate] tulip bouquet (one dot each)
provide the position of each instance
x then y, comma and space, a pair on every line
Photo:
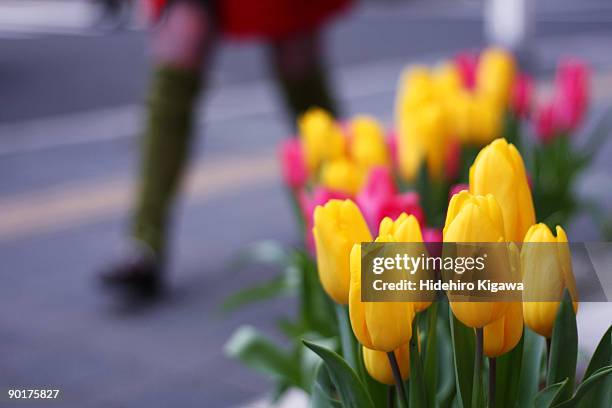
443, 352
444, 115
438, 347
353, 182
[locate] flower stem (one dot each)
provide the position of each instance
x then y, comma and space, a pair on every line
397, 375
476, 383
390, 396
492, 380
548, 344
349, 351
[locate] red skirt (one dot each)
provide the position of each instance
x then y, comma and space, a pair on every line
268, 19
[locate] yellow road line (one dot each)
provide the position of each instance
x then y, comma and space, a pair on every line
63, 207
67, 206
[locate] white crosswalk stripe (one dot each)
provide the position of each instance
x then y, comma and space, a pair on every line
23, 19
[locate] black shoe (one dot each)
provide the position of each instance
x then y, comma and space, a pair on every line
138, 273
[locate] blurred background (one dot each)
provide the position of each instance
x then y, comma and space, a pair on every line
72, 82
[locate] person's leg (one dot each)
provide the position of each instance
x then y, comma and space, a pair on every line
181, 49
299, 67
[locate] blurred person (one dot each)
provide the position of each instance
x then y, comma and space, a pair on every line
182, 48
113, 13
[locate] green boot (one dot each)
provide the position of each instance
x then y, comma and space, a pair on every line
166, 141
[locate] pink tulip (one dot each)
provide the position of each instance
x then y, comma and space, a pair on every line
380, 198
432, 235
520, 100
466, 63
392, 146
457, 188
293, 165
308, 201
433, 239
571, 94
545, 125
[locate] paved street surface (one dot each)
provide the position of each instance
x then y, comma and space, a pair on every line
69, 115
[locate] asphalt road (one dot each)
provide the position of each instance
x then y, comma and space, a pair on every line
68, 119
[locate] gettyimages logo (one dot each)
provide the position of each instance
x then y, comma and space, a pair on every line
485, 272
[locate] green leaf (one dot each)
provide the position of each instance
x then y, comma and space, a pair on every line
597, 385
564, 348
322, 393
551, 394
602, 356
508, 375
446, 375
257, 352
349, 346
377, 391
431, 353
316, 308
265, 252
416, 385
464, 341
277, 286
348, 385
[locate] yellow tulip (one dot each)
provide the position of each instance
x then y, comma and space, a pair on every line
486, 118
342, 175
503, 335
499, 170
461, 113
338, 225
378, 366
383, 326
405, 228
446, 80
423, 137
368, 147
321, 137
415, 88
547, 272
495, 75
473, 218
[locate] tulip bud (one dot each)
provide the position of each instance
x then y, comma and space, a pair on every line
423, 137
446, 80
322, 138
503, 335
294, 168
495, 75
342, 175
546, 127
338, 225
406, 228
308, 201
467, 63
368, 146
379, 198
499, 170
383, 326
520, 101
472, 218
547, 272
378, 366
415, 88
486, 119
571, 93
